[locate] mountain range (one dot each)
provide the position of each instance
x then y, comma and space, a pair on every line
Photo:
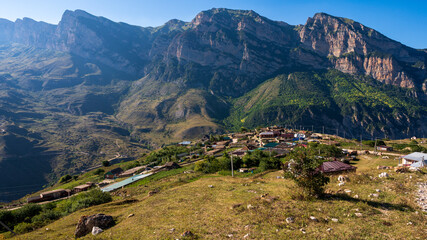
89, 89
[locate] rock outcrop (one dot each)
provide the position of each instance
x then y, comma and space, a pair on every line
87, 223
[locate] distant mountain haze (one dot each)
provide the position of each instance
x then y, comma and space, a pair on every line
80, 92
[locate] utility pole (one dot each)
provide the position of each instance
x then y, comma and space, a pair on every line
375, 145
323, 130
361, 143
312, 128
7, 228
337, 132
232, 170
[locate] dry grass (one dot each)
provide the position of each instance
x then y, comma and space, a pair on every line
185, 202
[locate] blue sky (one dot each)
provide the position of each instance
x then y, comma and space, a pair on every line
401, 20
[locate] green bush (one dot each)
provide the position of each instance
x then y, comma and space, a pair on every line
65, 178
46, 217
99, 171
32, 216
105, 163
325, 150
301, 166
26, 212
84, 200
23, 227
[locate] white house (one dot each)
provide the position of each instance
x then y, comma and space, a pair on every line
415, 159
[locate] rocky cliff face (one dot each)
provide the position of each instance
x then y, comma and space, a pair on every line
383, 69
242, 47
89, 87
356, 49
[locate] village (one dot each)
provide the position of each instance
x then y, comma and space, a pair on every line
364, 175
274, 141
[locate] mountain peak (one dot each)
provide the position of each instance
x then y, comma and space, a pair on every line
69, 14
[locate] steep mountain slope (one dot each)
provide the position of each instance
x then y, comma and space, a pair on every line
330, 99
89, 88
357, 49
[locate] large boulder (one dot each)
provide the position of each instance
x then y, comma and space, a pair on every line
86, 224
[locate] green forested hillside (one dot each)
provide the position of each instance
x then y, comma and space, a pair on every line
330, 98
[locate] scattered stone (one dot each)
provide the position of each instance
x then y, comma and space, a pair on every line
278, 177
290, 220
356, 196
247, 227
371, 195
246, 236
187, 234
377, 190
409, 223
277, 230
96, 231
421, 196
234, 206
211, 186
383, 175
86, 224
252, 191
343, 178
312, 218
131, 215
151, 193
358, 214
385, 223
250, 206
347, 190
334, 219
47, 229
270, 199
230, 235
341, 184
172, 230
356, 209
329, 229
303, 230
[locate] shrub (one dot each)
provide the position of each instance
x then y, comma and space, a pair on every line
99, 171
7, 217
26, 212
84, 200
65, 178
105, 163
46, 217
269, 163
301, 166
23, 227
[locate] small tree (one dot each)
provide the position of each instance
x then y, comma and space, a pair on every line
301, 165
65, 178
105, 163
99, 171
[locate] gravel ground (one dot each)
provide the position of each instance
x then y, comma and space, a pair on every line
421, 198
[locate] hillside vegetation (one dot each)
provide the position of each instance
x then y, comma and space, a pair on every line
258, 205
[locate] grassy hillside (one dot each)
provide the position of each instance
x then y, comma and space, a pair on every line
355, 104
185, 202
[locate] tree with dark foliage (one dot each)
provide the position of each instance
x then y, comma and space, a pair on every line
301, 165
